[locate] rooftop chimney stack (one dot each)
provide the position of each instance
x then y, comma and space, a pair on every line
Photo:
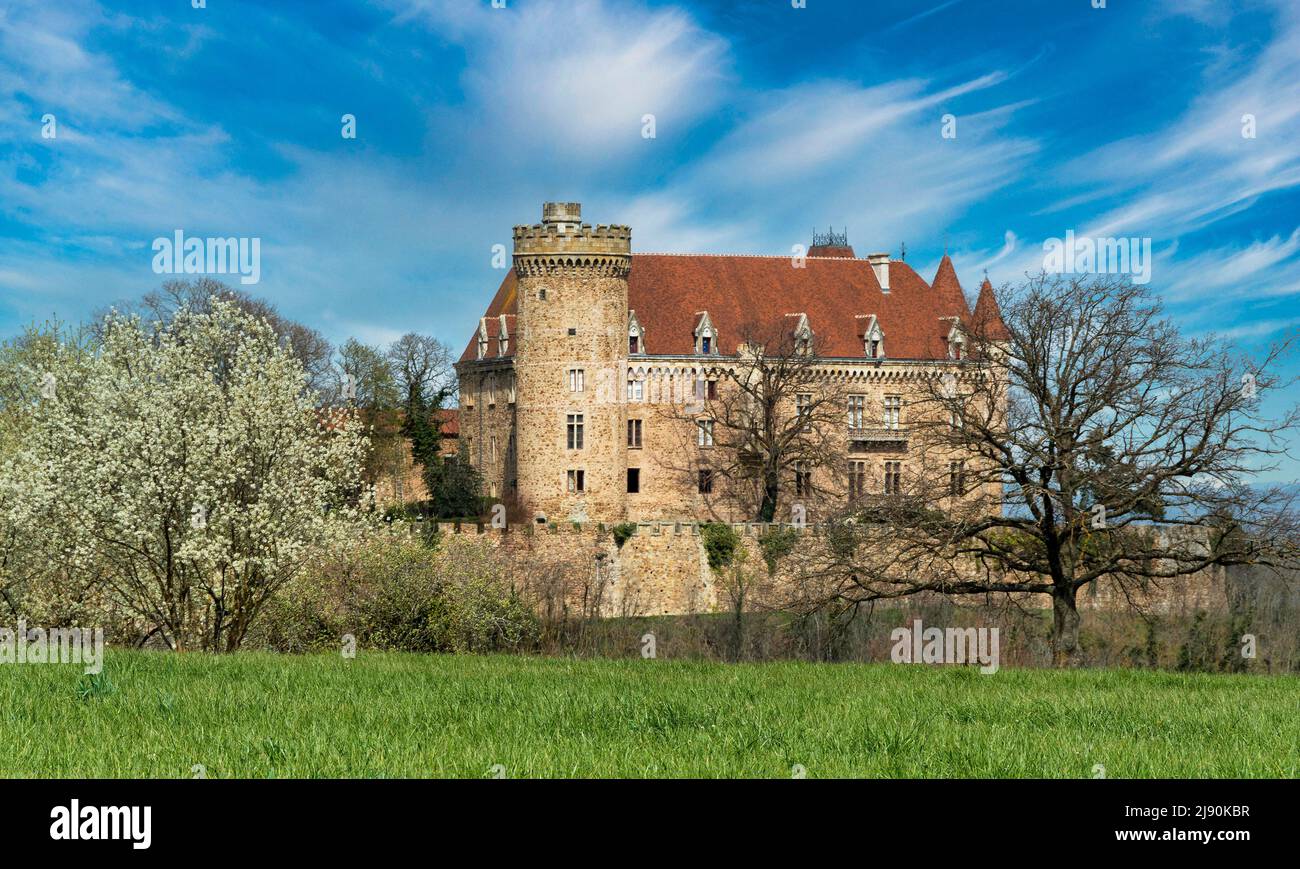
880, 265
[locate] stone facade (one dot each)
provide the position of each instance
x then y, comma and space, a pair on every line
396, 476
570, 421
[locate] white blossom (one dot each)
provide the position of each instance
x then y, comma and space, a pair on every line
207, 416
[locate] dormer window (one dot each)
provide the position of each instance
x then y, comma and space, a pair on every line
482, 337
803, 335
956, 341
635, 335
503, 337
706, 337
873, 339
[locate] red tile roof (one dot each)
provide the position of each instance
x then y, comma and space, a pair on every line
948, 288
988, 315
833, 250
838, 294
450, 418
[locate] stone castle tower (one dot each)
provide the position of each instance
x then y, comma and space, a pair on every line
571, 412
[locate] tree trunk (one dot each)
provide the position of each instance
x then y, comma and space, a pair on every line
738, 649
1065, 629
771, 491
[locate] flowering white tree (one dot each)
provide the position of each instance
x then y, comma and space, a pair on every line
27, 366
188, 469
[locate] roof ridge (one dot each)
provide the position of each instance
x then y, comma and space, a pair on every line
851, 259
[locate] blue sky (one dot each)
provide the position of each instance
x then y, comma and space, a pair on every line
770, 120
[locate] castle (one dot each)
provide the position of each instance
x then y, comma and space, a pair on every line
586, 392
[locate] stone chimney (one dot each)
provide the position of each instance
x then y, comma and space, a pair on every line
880, 265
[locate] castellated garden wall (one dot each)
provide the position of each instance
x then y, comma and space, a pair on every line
663, 569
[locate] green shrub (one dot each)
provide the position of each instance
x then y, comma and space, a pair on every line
842, 538
399, 595
777, 544
623, 533
720, 542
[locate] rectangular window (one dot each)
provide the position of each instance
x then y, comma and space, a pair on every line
706, 344
706, 481
893, 478
704, 432
633, 480
700, 388
635, 389
634, 433
857, 411
857, 480
577, 380
875, 350
577, 481
956, 478
803, 408
802, 480
632, 344
955, 416
893, 411
575, 431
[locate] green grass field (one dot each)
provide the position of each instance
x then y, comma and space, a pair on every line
258, 715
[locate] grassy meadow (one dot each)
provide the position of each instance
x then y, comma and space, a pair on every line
152, 714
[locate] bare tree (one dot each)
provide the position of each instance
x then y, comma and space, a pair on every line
309, 346
1081, 438
422, 367
768, 429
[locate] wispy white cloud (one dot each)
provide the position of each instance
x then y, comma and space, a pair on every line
920, 16
1202, 168
870, 157
1258, 329
573, 81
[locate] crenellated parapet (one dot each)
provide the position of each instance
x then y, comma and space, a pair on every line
562, 244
